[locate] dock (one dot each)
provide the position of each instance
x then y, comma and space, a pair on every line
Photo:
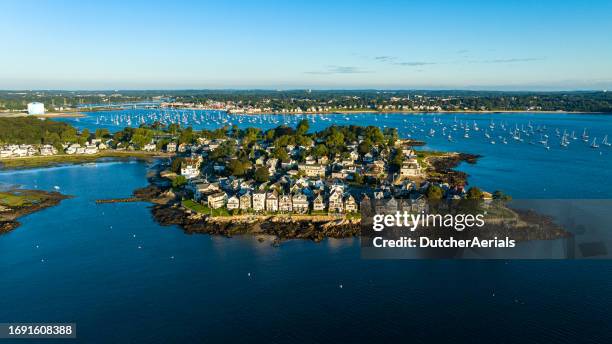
118, 200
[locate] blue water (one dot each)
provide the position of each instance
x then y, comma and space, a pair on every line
81, 262
121, 277
520, 169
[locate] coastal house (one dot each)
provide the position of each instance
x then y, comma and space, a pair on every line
365, 204
71, 149
6, 153
335, 202
217, 200
272, 201
312, 170
190, 168
171, 147
245, 201
149, 147
410, 168
271, 164
91, 149
233, 203
285, 203
299, 203
202, 189
48, 150
350, 205
259, 200
318, 204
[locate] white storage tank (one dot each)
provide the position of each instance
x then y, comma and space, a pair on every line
36, 108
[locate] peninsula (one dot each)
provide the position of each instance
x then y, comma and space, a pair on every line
17, 203
285, 182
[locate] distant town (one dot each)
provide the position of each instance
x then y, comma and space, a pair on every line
309, 101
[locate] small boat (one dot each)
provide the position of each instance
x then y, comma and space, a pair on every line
56, 187
585, 136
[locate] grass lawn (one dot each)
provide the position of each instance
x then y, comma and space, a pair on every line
200, 208
422, 155
15, 200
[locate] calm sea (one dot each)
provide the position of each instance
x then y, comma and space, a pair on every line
121, 277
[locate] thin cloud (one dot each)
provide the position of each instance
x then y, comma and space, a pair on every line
385, 58
339, 70
394, 61
510, 60
414, 63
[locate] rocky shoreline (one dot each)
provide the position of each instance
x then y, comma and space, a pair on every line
279, 227
37, 200
442, 168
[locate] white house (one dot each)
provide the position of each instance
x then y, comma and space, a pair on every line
217, 200
259, 201
233, 203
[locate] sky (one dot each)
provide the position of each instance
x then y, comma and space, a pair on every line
468, 44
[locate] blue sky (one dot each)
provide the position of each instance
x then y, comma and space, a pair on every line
306, 44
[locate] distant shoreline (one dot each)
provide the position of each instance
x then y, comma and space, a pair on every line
59, 159
408, 112
46, 115
346, 112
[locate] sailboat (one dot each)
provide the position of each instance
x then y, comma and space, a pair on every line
605, 141
594, 144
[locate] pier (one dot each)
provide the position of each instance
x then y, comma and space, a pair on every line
118, 200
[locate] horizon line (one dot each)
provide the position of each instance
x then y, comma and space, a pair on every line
311, 89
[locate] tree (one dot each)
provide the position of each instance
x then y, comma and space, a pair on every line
396, 162
319, 150
302, 127
176, 165
186, 136
365, 147
179, 181
238, 168
281, 154
358, 177
434, 192
69, 135
499, 195
102, 133
262, 174
474, 193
